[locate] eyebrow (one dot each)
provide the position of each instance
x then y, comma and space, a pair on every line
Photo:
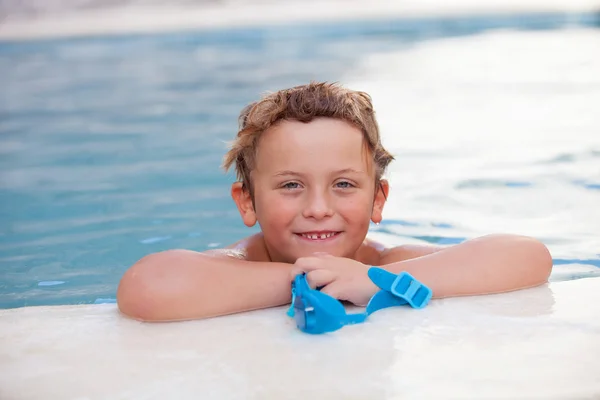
341, 171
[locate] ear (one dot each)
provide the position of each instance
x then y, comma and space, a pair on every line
243, 200
381, 193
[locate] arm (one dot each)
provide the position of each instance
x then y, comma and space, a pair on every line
489, 264
408, 251
180, 285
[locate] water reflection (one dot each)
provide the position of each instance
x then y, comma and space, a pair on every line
101, 138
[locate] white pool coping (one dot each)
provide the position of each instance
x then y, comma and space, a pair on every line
145, 19
540, 343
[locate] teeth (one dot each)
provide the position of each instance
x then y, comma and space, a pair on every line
315, 236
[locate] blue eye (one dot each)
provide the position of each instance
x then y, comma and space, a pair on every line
344, 185
291, 185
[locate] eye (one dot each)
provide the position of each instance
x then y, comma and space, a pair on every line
344, 185
291, 185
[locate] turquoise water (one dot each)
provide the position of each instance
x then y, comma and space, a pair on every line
110, 146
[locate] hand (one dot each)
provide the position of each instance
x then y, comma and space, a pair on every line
339, 277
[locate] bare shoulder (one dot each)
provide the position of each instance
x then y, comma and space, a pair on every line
407, 252
251, 248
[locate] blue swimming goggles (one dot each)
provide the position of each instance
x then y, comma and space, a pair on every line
317, 312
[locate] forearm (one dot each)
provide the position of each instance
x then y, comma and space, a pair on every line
490, 264
182, 285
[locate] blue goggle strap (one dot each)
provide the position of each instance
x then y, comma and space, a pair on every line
333, 308
383, 299
397, 290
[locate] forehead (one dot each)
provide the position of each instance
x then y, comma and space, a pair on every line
323, 143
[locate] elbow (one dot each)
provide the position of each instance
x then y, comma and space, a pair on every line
531, 255
539, 260
148, 289
172, 285
133, 291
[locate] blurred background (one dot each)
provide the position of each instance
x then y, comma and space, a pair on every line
114, 117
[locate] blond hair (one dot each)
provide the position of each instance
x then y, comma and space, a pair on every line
304, 103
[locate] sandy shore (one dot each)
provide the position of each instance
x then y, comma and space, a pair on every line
160, 18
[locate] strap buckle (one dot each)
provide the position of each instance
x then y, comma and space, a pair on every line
397, 290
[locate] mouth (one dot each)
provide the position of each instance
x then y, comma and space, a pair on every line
318, 236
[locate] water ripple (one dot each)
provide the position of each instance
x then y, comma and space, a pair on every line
110, 146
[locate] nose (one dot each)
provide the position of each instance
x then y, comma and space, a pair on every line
318, 205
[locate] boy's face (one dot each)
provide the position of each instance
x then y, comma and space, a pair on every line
314, 190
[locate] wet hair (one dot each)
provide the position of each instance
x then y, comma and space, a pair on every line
304, 103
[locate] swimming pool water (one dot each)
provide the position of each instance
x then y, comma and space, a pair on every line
110, 146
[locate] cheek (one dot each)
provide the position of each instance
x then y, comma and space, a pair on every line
274, 211
356, 208
357, 215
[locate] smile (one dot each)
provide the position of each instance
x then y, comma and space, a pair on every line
318, 235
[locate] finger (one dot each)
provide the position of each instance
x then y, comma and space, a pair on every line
304, 265
334, 290
307, 264
319, 278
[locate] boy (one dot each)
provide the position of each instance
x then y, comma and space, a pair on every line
310, 164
